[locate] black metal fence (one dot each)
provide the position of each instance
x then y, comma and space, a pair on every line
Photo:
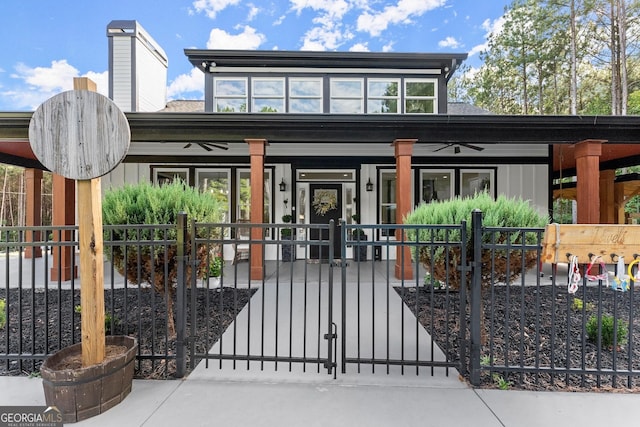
41, 294
412, 298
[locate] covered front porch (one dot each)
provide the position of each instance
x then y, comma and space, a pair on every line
408, 140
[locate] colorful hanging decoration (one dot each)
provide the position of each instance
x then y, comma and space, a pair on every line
604, 274
621, 280
574, 275
634, 276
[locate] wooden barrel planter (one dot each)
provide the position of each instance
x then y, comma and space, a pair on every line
83, 392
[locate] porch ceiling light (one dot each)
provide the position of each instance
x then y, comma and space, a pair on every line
283, 185
369, 185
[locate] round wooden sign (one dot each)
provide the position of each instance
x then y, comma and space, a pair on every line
79, 134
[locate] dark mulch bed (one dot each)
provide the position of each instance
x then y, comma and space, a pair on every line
49, 322
537, 326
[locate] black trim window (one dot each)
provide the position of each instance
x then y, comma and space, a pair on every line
383, 96
305, 95
420, 96
267, 95
347, 96
230, 95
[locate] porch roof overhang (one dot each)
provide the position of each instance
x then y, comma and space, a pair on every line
355, 129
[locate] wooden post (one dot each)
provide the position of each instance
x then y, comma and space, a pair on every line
33, 179
588, 186
82, 135
91, 270
256, 151
607, 197
64, 213
619, 202
403, 153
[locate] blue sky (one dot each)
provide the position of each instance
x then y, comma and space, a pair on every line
45, 43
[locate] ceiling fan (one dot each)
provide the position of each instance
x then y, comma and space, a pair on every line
456, 147
209, 146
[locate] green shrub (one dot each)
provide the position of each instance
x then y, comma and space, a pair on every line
215, 266
501, 212
3, 313
108, 318
578, 305
606, 327
286, 232
148, 204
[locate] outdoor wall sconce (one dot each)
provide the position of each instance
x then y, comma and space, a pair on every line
369, 185
283, 185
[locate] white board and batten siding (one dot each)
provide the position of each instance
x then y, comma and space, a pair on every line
122, 73
529, 182
151, 79
126, 173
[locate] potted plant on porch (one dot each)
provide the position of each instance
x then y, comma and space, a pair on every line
216, 265
358, 235
285, 234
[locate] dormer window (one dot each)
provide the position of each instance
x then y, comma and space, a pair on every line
347, 96
383, 96
305, 95
420, 96
267, 95
230, 95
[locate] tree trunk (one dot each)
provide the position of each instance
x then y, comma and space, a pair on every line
573, 88
622, 44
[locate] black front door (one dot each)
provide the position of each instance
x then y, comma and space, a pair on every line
326, 205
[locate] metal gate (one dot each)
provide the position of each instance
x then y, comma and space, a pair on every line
286, 319
391, 314
283, 320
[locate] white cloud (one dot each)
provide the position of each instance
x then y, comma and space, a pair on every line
248, 39
186, 83
41, 83
449, 42
212, 7
101, 80
359, 47
376, 22
253, 12
329, 32
333, 8
388, 47
328, 37
57, 78
491, 28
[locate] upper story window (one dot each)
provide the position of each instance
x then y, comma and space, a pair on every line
420, 96
305, 95
383, 96
230, 95
347, 96
267, 95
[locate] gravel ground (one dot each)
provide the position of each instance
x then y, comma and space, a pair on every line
538, 326
51, 321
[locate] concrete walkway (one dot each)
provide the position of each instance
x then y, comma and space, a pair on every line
197, 402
